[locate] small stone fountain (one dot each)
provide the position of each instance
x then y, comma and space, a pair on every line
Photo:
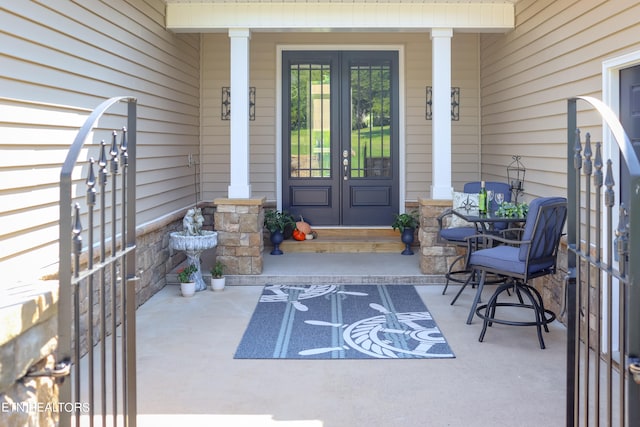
193, 240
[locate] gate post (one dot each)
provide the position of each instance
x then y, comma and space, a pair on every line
570, 282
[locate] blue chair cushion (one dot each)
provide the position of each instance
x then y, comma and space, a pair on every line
505, 258
457, 234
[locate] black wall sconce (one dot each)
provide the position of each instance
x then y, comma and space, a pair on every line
225, 105
455, 103
515, 175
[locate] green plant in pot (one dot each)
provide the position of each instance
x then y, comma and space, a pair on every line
217, 276
406, 223
405, 220
184, 274
276, 221
187, 284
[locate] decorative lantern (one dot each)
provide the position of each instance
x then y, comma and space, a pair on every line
515, 175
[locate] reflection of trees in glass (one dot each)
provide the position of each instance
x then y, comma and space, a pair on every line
309, 119
370, 96
370, 120
303, 77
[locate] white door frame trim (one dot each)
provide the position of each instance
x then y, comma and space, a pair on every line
611, 97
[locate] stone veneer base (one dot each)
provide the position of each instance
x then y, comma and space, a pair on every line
240, 239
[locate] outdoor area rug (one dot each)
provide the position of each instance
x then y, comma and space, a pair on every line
342, 322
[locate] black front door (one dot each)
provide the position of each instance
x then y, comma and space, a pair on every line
340, 136
630, 119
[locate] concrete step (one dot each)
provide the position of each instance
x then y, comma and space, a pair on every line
322, 268
347, 240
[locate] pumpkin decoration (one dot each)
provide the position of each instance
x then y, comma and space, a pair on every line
299, 235
303, 226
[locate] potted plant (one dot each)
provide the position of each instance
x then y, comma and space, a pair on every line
276, 221
187, 284
407, 224
217, 277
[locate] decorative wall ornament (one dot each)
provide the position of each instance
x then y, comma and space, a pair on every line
225, 105
455, 103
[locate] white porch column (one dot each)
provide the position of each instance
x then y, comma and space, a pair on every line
441, 144
239, 187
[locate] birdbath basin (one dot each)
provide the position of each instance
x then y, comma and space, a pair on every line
193, 247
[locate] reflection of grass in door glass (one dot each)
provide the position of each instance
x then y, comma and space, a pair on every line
316, 150
366, 137
372, 143
300, 143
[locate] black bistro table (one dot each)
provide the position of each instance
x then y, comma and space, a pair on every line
489, 224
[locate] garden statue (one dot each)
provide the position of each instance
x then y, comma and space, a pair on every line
193, 240
192, 222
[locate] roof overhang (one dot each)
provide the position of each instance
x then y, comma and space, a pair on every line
331, 16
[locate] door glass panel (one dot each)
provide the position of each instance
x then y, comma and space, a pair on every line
310, 121
371, 120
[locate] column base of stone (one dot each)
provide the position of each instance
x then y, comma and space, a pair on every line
240, 243
435, 256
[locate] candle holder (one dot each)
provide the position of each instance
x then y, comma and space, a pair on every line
515, 176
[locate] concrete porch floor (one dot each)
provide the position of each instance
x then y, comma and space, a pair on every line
187, 375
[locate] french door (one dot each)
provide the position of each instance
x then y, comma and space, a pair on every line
340, 136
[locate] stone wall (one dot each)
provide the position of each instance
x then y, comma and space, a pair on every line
154, 257
28, 339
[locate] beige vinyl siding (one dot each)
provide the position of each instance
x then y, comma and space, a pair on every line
417, 75
58, 61
556, 52
465, 133
215, 148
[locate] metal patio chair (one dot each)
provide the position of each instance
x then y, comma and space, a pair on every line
518, 261
457, 236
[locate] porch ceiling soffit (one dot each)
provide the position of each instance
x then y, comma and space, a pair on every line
213, 16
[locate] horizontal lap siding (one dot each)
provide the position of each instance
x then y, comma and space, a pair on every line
215, 150
58, 61
555, 52
417, 74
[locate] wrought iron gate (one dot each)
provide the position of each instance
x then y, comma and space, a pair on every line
96, 320
603, 294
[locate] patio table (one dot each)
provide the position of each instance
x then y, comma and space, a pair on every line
485, 224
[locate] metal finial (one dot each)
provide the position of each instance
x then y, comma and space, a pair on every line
597, 176
609, 195
124, 155
577, 148
114, 153
102, 163
588, 165
91, 183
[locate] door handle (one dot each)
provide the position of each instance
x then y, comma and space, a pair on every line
345, 162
